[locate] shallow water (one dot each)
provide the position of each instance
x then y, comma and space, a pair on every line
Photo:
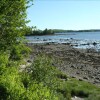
77, 39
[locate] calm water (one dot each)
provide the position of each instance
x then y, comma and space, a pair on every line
78, 39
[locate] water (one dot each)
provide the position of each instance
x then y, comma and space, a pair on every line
77, 39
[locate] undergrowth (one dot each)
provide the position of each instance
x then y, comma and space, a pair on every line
41, 81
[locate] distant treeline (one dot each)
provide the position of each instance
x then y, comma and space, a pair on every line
61, 31
39, 32
65, 31
91, 30
31, 31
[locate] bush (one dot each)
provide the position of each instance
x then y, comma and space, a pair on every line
3, 62
26, 79
4, 57
20, 86
10, 85
18, 52
42, 69
14, 87
36, 91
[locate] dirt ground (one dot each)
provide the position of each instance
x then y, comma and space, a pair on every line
83, 64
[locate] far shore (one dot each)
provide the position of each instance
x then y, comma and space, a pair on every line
54, 31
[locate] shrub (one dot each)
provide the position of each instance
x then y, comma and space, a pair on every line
4, 57
3, 62
36, 91
26, 79
10, 85
42, 68
18, 52
43, 71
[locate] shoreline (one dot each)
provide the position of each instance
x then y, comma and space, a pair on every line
81, 64
76, 43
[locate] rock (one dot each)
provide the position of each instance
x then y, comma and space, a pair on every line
47, 43
29, 61
44, 39
72, 66
85, 78
97, 78
73, 77
77, 98
77, 72
91, 77
96, 81
72, 61
94, 43
80, 79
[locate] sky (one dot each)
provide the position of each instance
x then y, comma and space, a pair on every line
65, 14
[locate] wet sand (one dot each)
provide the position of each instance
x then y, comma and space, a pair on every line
83, 64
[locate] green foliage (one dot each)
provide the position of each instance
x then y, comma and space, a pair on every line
36, 90
19, 51
11, 87
39, 32
15, 86
39, 92
43, 71
3, 61
12, 21
26, 79
41, 68
48, 32
12, 28
28, 30
4, 57
81, 88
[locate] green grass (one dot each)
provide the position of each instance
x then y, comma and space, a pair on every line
73, 87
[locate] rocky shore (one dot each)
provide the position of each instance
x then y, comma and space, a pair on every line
83, 64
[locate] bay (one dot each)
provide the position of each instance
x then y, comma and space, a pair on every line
77, 39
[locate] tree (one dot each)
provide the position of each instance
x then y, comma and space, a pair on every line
12, 21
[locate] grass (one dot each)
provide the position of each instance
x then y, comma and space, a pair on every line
74, 87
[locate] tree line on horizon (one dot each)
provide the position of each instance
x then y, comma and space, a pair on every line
31, 31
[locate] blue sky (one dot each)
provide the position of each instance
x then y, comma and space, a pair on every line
65, 14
